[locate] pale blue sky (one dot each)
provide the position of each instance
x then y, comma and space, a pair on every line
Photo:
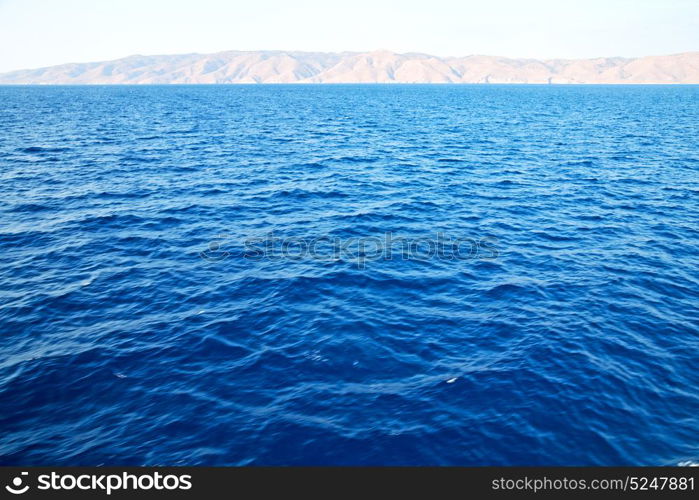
37, 33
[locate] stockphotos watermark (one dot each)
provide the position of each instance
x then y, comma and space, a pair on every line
102, 483
358, 250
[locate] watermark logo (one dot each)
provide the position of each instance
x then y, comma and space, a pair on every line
16, 487
102, 483
357, 250
214, 253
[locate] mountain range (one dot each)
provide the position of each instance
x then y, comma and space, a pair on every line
380, 66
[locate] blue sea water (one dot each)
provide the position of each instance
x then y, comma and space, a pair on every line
137, 328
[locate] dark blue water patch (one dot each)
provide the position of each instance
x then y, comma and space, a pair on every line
43, 149
138, 329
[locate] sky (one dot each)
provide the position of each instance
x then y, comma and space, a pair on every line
37, 33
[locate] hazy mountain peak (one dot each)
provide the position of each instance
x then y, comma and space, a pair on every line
377, 66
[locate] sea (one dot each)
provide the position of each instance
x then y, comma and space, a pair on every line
349, 275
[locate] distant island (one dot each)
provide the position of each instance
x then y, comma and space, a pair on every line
362, 67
